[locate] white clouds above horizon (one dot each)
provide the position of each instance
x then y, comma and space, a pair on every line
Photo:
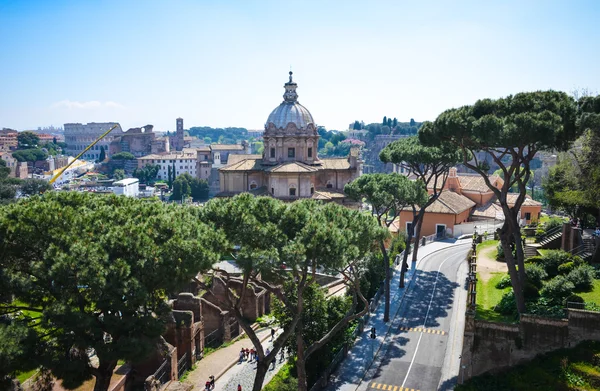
92, 104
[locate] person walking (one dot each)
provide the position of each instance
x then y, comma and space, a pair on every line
282, 355
207, 386
272, 333
239, 387
241, 356
212, 381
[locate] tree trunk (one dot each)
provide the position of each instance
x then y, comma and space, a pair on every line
261, 372
103, 374
386, 264
404, 267
300, 360
512, 270
418, 235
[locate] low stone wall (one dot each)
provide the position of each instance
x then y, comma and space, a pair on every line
491, 346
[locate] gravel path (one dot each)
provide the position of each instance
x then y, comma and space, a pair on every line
244, 373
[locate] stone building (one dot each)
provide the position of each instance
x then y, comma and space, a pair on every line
8, 139
79, 136
139, 142
17, 169
290, 167
178, 140
184, 161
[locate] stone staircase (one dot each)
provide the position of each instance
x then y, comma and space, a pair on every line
551, 238
530, 250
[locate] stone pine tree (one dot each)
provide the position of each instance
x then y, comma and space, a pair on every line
285, 244
93, 272
430, 165
337, 240
253, 226
387, 194
511, 130
384, 120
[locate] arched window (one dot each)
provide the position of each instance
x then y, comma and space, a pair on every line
253, 185
292, 190
329, 185
312, 190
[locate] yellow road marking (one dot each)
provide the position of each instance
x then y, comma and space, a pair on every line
422, 330
391, 387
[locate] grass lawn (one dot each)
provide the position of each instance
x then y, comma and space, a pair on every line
594, 295
487, 298
566, 369
26, 375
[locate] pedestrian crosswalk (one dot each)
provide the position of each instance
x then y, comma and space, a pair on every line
422, 330
390, 387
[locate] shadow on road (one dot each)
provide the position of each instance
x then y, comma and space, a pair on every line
420, 297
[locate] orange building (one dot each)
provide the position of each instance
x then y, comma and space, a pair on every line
466, 198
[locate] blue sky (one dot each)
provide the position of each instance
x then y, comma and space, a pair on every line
223, 63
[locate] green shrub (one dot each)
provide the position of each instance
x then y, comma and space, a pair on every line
553, 223
507, 305
284, 380
582, 277
552, 259
575, 299
398, 245
504, 282
566, 268
499, 252
557, 289
530, 291
535, 259
535, 274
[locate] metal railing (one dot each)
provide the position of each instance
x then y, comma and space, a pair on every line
214, 339
163, 373
182, 365
544, 238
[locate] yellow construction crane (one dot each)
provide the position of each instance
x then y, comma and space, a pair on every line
55, 177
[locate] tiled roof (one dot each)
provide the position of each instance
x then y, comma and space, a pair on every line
227, 147
476, 183
292, 167
450, 203
327, 194
490, 210
511, 198
335, 164
244, 165
234, 158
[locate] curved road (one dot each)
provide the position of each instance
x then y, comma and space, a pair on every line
425, 341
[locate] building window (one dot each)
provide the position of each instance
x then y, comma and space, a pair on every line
409, 228
528, 216
292, 192
310, 152
272, 153
312, 190
253, 186
329, 185
272, 191
291, 152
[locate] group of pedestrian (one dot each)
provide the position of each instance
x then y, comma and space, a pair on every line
249, 355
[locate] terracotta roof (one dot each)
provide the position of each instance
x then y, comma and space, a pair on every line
490, 210
450, 203
204, 148
225, 147
292, 167
476, 183
244, 165
169, 155
335, 164
234, 158
327, 194
511, 198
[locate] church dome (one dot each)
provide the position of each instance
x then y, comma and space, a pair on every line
290, 111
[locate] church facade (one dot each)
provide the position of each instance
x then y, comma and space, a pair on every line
290, 167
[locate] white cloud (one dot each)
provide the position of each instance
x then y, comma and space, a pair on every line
92, 104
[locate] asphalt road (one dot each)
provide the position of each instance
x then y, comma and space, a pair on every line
426, 335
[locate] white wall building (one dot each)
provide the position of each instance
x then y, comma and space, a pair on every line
128, 187
183, 161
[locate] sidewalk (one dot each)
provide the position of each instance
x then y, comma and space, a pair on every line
353, 368
218, 362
